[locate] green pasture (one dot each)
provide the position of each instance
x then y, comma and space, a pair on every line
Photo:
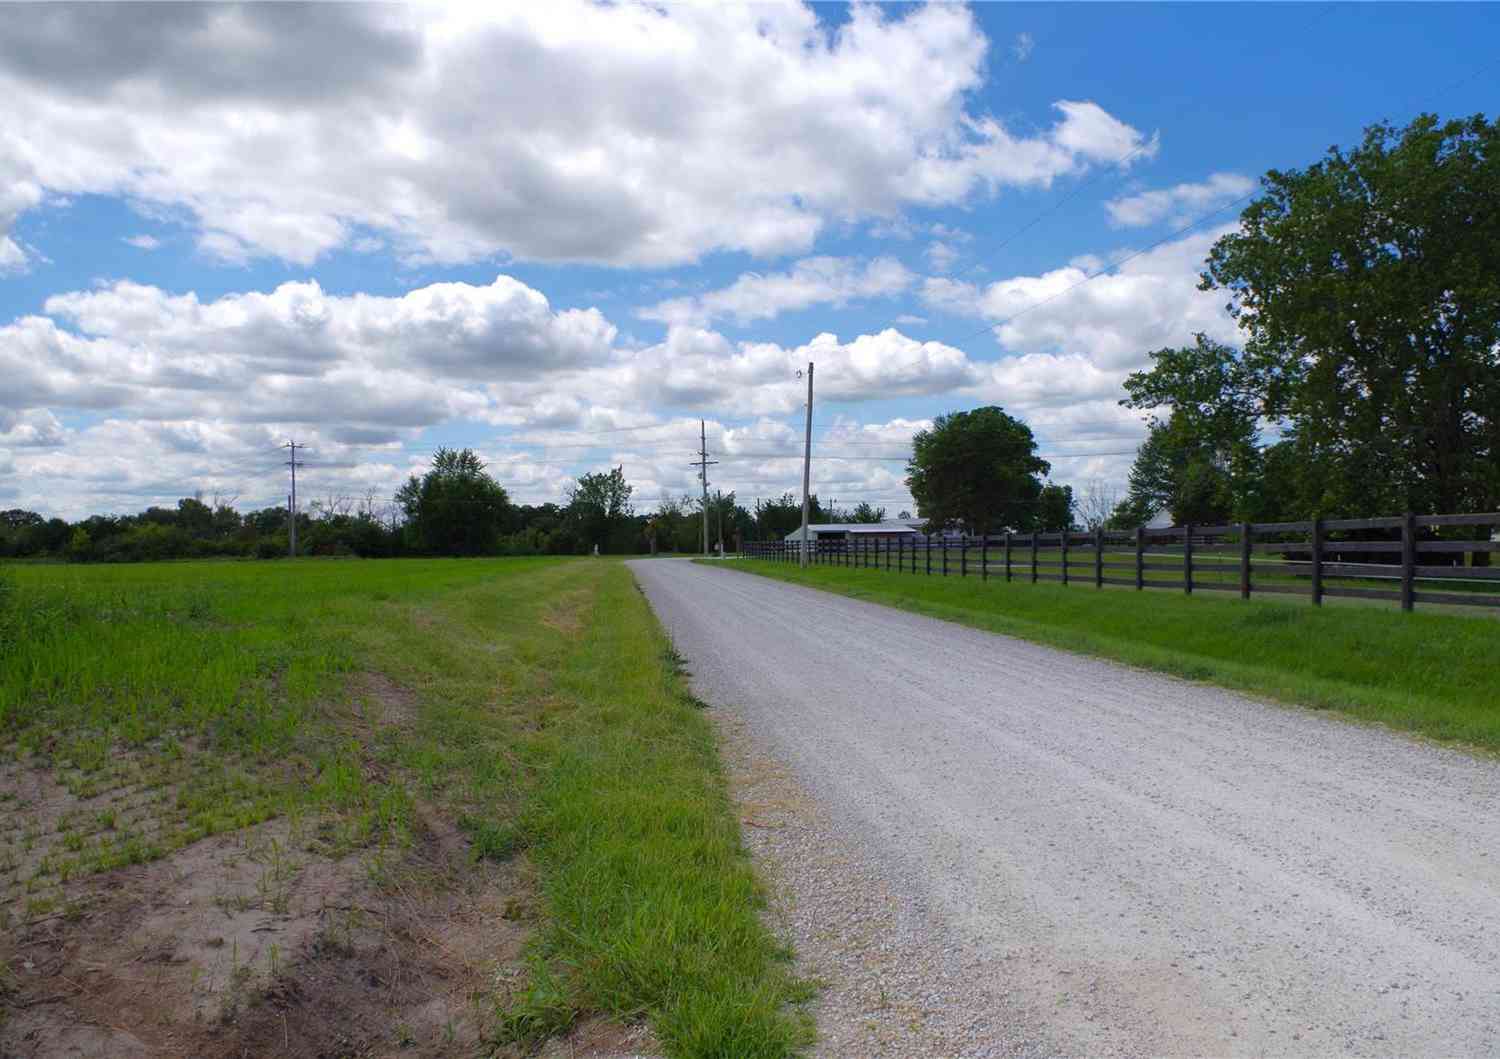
542, 709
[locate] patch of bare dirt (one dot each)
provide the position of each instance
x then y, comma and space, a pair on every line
247, 944
598, 1038
382, 702
260, 942
52, 820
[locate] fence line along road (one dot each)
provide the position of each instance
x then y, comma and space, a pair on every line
1408, 559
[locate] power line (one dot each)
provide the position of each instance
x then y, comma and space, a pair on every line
991, 326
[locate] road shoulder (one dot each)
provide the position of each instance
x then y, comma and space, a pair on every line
892, 983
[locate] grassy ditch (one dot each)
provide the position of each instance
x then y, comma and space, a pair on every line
1437, 675
532, 704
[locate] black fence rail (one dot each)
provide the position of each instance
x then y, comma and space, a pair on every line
1408, 559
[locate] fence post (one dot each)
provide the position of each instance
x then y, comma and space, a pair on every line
1140, 557
927, 553
1033, 556
1187, 559
1007, 556
963, 557
984, 557
1065, 556
1098, 556
1317, 562
1245, 532
1409, 561
945, 554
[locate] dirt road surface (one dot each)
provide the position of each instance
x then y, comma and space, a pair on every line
1112, 861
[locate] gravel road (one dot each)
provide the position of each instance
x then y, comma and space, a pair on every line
1105, 861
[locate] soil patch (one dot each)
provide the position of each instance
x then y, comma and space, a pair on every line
249, 944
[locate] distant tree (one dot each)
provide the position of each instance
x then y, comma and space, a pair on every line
727, 517
774, 519
1202, 462
17, 518
195, 517
1054, 512
158, 516
455, 508
268, 521
864, 512
80, 547
1100, 499
599, 508
977, 469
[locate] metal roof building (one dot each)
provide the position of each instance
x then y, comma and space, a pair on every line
889, 530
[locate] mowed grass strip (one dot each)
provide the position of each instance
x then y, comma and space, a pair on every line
545, 715
653, 902
1433, 674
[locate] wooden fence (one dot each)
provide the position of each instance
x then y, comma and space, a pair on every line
1408, 559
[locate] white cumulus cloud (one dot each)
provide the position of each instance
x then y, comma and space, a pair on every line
632, 134
1178, 204
1115, 319
811, 281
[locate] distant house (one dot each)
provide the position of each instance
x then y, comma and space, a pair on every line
1161, 520
891, 530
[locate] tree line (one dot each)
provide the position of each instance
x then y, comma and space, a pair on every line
455, 508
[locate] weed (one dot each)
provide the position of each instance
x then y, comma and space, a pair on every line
491, 839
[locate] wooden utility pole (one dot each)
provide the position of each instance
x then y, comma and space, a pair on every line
703, 464
807, 461
291, 504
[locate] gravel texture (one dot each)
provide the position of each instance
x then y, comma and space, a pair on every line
988, 847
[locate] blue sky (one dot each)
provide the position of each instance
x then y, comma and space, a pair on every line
564, 235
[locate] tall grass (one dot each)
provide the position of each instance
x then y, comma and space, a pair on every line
1436, 674
652, 896
545, 715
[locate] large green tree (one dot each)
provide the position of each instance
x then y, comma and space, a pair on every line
1054, 508
978, 470
1368, 289
456, 508
600, 510
1202, 461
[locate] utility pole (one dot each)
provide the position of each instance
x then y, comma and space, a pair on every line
703, 464
291, 503
806, 464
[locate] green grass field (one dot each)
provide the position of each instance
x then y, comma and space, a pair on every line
547, 719
1435, 674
